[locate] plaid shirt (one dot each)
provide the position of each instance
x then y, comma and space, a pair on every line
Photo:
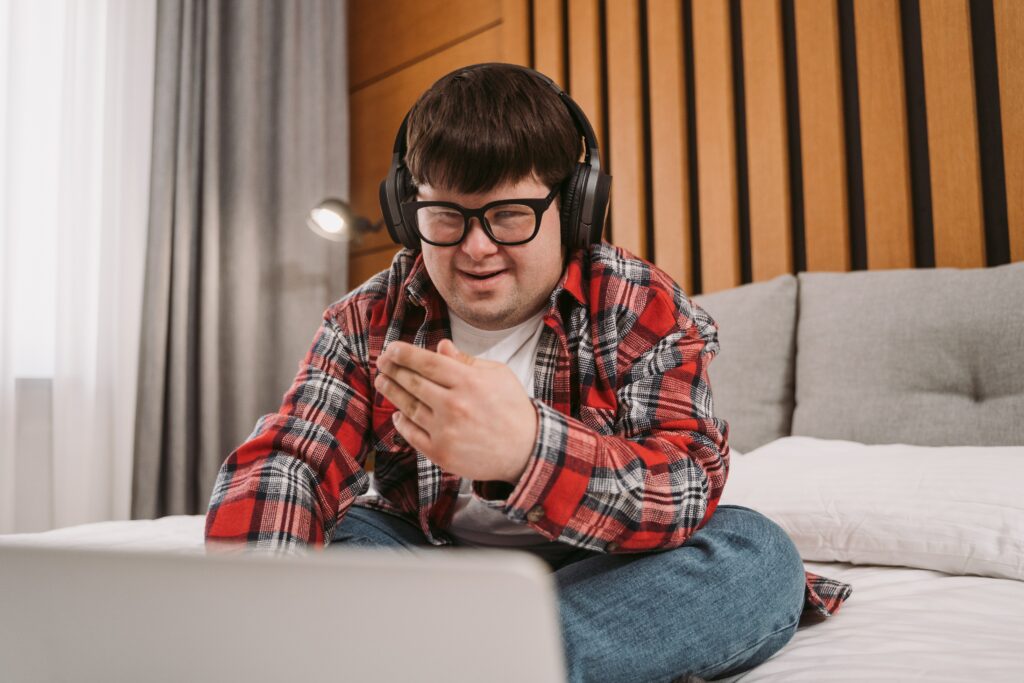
629, 457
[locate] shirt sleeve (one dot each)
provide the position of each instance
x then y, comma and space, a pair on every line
658, 478
287, 485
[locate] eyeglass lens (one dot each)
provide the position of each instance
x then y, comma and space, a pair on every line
508, 223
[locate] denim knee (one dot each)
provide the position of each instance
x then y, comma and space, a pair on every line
721, 603
773, 565
373, 528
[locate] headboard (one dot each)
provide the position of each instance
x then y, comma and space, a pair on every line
931, 357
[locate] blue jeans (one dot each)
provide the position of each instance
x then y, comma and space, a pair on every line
718, 605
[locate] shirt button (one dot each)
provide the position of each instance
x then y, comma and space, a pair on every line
612, 547
535, 514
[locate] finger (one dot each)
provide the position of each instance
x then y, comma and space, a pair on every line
414, 435
415, 384
416, 409
447, 348
437, 368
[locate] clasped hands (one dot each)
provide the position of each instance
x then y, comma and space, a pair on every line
467, 415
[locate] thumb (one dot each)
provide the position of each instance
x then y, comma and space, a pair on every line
447, 348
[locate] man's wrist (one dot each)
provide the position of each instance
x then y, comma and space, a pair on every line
526, 451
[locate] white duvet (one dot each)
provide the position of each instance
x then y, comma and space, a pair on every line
908, 625
934, 532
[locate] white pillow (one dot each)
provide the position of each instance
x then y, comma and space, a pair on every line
957, 509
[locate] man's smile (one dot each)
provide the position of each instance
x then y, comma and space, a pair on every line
482, 276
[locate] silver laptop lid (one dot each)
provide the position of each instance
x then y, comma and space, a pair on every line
358, 615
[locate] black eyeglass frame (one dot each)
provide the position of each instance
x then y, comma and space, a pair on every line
411, 209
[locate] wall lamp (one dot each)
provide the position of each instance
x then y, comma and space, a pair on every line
335, 220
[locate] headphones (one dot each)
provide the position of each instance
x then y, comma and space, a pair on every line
584, 195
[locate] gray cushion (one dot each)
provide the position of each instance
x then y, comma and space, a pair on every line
933, 357
752, 376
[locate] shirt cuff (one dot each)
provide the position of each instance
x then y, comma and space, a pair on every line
551, 488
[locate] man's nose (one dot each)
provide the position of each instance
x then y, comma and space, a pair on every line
477, 243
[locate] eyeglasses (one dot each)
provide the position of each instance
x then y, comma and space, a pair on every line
506, 221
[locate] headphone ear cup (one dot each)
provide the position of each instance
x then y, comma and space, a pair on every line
602, 189
394, 189
571, 201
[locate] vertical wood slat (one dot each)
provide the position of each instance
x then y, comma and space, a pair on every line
626, 126
547, 39
515, 31
771, 243
952, 134
585, 85
1009, 20
670, 187
888, 207
716, 146
822, 149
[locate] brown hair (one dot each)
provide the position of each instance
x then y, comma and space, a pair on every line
481, 127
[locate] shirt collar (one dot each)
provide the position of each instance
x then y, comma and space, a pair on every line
417, 283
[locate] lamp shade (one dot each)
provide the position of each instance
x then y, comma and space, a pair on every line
332, 219
335, 220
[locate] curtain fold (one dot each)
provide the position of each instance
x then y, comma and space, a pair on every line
75, 115
250, 131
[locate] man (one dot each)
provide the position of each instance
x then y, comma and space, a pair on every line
525, 385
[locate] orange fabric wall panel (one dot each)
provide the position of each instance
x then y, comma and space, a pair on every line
626, 126
826, 219
771, 244
716, 146
883, 124
670, 187
548, 44
952, 134
1009, 19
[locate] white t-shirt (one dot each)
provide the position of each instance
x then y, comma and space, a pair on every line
473, 522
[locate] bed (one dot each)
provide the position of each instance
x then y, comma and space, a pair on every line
878, 417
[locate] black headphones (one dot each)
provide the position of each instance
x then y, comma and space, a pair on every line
584, 196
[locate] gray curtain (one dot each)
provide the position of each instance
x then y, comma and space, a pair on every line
250, 132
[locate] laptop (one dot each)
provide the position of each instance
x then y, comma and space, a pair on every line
360, 615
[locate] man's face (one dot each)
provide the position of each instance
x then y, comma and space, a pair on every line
526, 273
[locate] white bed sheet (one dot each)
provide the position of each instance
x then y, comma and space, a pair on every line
899, 624
178, 533
907, 625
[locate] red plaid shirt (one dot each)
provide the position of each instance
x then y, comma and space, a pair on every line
629, 457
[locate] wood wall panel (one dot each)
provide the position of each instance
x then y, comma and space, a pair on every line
602, 66
888, 207
716, 146
515, 31
377, 111
822, 148
385, 35
585, 85
1009, 19
670, 186
361, 267
548, 24
771, 245
952, 134
626, 126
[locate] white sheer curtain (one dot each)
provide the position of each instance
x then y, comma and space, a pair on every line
76, 97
